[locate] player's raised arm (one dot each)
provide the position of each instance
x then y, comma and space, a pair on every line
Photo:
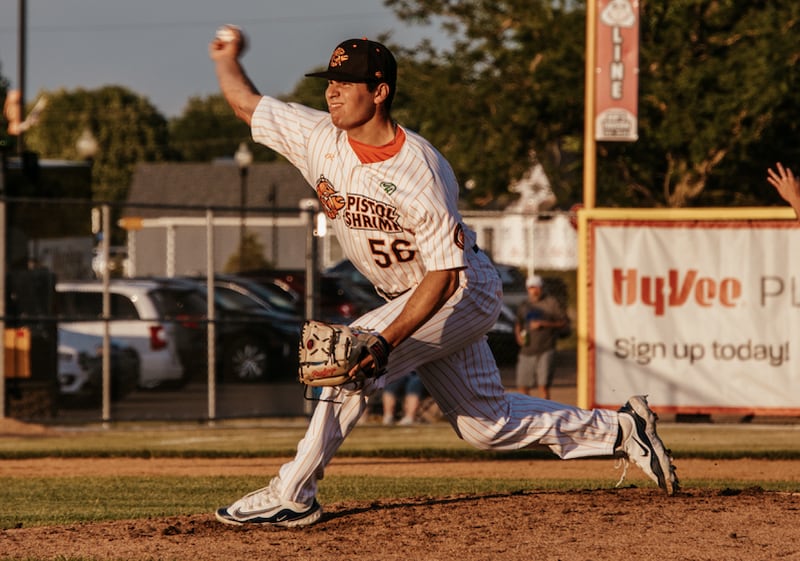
787, 185
225, 50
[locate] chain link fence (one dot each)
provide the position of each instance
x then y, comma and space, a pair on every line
82, 345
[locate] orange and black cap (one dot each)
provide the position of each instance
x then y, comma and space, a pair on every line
360, 61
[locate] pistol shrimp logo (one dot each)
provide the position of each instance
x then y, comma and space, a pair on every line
338, 57
331, 202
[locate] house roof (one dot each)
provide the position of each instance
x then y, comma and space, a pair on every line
216, 184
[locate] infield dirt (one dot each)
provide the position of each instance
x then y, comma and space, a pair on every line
634, 522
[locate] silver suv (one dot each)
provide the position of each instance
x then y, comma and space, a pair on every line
80, 368
147, 315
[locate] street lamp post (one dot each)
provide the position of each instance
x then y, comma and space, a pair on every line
243, 158
87, 146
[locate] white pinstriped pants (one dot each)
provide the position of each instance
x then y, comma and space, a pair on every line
452, 356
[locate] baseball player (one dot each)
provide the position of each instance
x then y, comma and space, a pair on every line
392, 200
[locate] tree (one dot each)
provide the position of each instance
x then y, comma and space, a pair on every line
4, 86
208, 129
716, 83
717, 101
309, 92
248, 256
510, 86
128, 129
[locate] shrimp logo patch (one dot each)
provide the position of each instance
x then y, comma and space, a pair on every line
331, 201
338, 57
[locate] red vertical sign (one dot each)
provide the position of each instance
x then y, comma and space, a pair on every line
616, 98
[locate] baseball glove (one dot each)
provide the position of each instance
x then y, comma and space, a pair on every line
330, 354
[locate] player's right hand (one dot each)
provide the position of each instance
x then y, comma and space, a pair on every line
223, 47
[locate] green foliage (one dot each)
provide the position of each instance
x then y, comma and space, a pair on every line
511, 85
5, 140
714, 83
208, 129
717, 104
309, 92
127, 127
250, 256
717, 98
4, 85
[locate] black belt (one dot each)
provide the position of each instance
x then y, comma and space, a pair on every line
390, 296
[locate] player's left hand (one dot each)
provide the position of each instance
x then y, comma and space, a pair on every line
334, 355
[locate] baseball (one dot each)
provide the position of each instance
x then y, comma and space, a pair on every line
227, 33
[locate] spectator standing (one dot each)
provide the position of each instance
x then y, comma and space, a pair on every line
412, 390
539, 320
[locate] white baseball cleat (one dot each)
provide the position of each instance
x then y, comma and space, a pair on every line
642, 446
265, 508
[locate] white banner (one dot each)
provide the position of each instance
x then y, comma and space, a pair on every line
703, 316
617, 71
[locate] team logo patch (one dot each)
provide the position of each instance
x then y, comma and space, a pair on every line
338, 57
458, 236
388, 187
331, 201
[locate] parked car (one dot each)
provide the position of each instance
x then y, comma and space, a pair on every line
501, 337
346, 270
252, 294
513, 279
80, 368
257, 338
340, 299
150, 316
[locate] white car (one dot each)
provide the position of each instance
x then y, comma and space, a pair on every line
80, 367
145, 315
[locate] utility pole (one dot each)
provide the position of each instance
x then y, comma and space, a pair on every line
21, 58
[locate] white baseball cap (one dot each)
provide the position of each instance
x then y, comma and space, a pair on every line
533, 281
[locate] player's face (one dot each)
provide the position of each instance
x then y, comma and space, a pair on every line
351, 105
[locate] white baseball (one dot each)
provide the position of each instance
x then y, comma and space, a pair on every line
227, 33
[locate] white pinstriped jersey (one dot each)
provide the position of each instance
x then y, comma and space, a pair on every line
395, 219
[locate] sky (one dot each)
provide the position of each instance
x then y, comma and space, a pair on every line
159, 48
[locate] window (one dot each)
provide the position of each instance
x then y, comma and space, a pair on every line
83, 306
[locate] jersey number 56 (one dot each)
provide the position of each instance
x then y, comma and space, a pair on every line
396, 252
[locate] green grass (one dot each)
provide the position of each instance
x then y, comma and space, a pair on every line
72, 500
68, 500
276, 438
